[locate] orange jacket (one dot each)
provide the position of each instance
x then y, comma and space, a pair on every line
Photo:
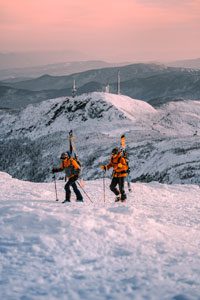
119, 165
70, 166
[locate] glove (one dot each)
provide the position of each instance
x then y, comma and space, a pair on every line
120, 165
55, 170
103, 168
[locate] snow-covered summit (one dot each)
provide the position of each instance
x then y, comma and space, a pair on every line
132, 108
86, 111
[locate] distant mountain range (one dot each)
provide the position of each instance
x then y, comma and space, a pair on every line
154, 83
187, 63
10, 60
57, 69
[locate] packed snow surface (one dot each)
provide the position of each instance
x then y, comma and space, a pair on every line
147, 248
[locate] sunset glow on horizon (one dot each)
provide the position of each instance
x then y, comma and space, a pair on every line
113, 30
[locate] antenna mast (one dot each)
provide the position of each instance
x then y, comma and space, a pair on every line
74, 89
118, 83
107, 90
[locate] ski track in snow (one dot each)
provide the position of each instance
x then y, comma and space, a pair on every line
147, 248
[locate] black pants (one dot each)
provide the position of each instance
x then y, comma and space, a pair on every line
120, 182
72, 182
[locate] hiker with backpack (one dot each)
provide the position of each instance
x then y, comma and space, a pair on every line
72, 169
120, 169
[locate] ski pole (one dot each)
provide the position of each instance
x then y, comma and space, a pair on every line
129, 185
85, 192
104, 187
54, 177
129, 180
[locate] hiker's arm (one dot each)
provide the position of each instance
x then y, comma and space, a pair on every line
56, 170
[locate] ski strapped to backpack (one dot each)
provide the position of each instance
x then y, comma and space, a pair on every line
125, 155
72, 148
72, 152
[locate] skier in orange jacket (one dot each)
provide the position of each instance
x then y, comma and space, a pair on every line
72, 170
120, 169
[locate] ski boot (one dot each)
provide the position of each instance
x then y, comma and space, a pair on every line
65, 201
117, 199
79, 200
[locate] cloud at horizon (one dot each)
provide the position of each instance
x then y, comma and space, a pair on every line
112, 30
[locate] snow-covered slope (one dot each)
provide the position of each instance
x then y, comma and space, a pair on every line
181, 118
162, 145
147, 248
174, 160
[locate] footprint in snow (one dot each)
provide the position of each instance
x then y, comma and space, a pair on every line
119, 251
125, 210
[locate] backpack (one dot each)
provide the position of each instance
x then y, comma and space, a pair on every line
125, 156
71, 170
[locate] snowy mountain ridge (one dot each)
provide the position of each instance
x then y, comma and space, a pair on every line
57, 114
163, 144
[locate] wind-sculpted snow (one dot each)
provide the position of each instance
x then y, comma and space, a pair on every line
147, 248
163, 144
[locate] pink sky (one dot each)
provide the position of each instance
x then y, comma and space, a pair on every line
113, 30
